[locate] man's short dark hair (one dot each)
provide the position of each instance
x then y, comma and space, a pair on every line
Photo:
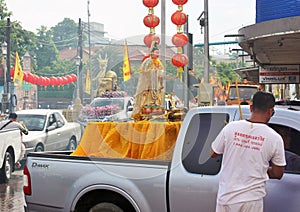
263, 101
12, 116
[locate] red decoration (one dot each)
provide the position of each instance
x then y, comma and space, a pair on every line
64, 80
74, 77
179, 18
179, 2
179, 60
148, 39
180, 39
150, 3
151, 21
25, 76
69, 78
47, 81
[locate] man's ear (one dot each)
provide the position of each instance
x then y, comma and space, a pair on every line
251, 108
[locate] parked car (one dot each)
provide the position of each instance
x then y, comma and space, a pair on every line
107, 109
288, 104
48, 130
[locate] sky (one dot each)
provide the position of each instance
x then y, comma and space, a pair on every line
123, 19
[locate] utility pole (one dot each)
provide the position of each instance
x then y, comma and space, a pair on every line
163, 40
7, 91
204, 23
186, 69
10, 83
89, 37
206, 43
79, 52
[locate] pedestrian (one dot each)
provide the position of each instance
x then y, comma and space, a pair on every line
12, 123
252, 153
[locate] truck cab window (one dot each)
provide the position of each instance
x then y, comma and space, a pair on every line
202, 131
291, 139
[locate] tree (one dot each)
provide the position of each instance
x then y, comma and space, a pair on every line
65, 34
46, 50
21, 40
225, 72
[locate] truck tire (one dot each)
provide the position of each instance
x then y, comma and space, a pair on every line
72, 144
106, 207
7, 167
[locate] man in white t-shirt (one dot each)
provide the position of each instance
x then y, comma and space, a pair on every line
248, 146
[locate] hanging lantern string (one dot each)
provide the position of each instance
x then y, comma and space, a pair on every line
151, 21
180, 39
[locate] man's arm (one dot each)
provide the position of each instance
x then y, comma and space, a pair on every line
213, 154
275, 172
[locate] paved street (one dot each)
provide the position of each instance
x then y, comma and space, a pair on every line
11, 194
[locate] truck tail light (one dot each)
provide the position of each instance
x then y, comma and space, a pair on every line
27, 181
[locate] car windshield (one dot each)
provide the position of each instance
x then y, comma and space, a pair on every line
246, 93
105, 102
33, 122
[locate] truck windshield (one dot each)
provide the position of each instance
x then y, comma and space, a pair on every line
33, 122
246, 92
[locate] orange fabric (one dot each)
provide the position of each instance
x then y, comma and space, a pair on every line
137, 140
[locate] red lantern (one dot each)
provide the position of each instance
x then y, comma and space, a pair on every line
150, 3
29, 77
59, 81
179, 18
74, 77
151, 21
69, 79
148, 39
179, 2
52, 81
38, 80
25, 76
179, 60
64, 80
47, 81
180, 39
35, 79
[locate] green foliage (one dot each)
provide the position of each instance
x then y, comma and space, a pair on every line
225, 72
65, 34
46, 49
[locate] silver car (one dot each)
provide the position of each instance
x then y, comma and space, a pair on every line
48, 130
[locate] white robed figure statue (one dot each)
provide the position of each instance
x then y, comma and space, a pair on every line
150, 87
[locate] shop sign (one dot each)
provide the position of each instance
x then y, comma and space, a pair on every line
279, 74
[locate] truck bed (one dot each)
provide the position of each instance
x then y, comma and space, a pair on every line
55, 172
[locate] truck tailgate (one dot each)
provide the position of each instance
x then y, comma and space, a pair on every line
59, 180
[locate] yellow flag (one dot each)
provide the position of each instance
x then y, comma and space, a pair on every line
18, 74
202, 80
126, 64
88, 82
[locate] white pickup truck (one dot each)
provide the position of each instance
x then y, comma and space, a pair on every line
10, 150
188, 182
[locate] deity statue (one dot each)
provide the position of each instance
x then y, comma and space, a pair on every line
150, 88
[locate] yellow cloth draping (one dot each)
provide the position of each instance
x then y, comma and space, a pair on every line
137, 140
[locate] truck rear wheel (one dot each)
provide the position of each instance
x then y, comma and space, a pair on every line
106, 207
7, 167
